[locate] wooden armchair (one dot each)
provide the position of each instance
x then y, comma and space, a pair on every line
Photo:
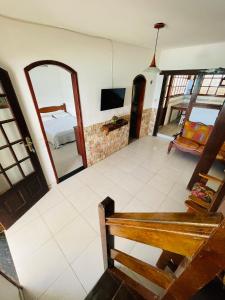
199, 239
193, 138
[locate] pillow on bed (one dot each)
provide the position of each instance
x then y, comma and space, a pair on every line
46, 114
60, 114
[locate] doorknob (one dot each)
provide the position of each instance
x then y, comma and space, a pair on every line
28, 144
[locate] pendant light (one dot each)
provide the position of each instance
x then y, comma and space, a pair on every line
152, 67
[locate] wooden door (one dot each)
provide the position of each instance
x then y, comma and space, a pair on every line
22, 182
138, 94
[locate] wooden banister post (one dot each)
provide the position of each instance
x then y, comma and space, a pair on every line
105, 209
211, 149
194, 95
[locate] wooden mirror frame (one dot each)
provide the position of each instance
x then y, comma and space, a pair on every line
140, 105
77, 104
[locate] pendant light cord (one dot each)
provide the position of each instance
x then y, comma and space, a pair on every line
112, 62
156, 41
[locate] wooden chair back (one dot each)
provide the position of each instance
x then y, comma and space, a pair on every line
199, 238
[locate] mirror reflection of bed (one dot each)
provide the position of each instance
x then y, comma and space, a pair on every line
53, 89
61, 132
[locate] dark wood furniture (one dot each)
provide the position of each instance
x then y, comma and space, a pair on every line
107, 128
200, 238
77, 104
181, 107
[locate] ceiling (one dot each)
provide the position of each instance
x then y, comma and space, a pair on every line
131, 21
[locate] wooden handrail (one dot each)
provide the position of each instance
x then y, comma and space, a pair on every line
179, 237
177, 242
201, 230
161, 278
198, 237
184, 218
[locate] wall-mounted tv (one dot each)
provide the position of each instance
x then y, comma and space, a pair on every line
112, 98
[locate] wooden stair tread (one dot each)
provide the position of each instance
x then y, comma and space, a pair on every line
195, 207
112, 286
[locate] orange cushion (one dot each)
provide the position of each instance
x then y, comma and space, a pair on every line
197, 132
185, 143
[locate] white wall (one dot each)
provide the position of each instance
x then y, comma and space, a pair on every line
194, 57
204, 115
91, 57
53, 86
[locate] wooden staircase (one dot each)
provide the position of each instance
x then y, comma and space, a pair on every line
200, 239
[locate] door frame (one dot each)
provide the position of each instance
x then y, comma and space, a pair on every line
140, 104
77, 105
7, 216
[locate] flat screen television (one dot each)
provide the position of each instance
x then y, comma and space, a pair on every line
112, 98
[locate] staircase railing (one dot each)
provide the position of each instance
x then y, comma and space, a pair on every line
199, 238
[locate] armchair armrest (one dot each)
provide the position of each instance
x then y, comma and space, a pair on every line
212, 178
177, 134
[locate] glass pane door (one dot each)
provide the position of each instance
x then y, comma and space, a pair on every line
15, 162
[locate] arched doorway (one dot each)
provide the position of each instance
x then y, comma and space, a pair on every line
138, 94
61, 121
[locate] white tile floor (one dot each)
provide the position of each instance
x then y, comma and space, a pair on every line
56, 245
66, 158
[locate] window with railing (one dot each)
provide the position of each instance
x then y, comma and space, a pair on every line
213, 85
178, 85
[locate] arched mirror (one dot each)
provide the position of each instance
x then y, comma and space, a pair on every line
54, 88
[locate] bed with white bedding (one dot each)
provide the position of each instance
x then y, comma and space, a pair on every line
59, 127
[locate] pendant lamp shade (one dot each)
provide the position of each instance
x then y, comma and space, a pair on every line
153, 67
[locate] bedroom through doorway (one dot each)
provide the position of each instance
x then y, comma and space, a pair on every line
54, 88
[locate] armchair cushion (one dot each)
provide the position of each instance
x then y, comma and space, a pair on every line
197, 132
202, 192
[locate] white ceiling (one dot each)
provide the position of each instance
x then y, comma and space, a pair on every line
188, 22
